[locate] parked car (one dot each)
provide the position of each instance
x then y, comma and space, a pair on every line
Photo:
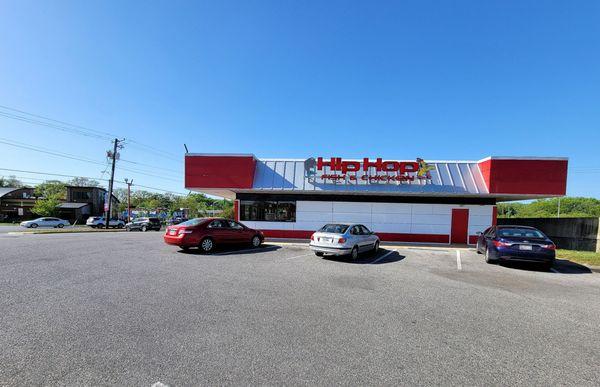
206, 233
144, 224
176, 220
45, 222
516, 243
343, 239
99, 222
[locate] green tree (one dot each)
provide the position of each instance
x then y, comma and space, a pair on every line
548, 208
83, 182
50, 194
11, 182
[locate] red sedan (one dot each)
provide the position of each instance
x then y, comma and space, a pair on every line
205, 233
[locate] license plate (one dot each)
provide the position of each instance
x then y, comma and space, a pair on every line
328, 240
525, 247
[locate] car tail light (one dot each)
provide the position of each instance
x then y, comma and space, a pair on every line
501, 244
312, 237
550, 246
342, 240
184, 231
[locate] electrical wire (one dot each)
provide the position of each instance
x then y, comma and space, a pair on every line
71, 176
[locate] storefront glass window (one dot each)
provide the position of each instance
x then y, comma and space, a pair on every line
267, 210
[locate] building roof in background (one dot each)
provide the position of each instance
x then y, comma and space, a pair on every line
72, 205
7, 190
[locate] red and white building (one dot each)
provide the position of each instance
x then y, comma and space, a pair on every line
407, 201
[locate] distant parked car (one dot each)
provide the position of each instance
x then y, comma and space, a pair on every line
343, 239
176, 220
99, 222
45, 222
144, 224
206, 233
516, 243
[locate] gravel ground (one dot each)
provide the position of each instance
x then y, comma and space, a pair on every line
125, 309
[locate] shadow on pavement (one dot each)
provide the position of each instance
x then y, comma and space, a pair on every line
561, 266
383, 256
233, 250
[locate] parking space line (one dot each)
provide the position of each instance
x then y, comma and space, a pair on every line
383, 256
298, 256
458, 261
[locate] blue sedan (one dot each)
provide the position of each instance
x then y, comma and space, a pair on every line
516, 243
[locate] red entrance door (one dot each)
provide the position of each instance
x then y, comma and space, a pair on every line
460, 225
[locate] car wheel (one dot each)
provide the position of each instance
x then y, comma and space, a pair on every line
120, 226
33, 225
144, 228
488, 259
354, 253
61, 225
100, 225
207, 245
127, 228
376, 247
256, 241
318, 254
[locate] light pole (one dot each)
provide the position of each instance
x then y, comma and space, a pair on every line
129, 184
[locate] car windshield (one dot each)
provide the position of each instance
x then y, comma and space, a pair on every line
334, 228
519, 233
192, 222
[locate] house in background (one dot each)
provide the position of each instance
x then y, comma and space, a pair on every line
83, 202
16, 204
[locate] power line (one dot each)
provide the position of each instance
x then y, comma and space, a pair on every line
75, 157
78, 129
93, 178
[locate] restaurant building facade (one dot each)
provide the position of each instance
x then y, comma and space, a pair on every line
401, 200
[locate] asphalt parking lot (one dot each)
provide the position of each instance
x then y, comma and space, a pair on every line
125, 309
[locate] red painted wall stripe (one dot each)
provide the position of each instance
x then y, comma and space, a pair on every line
494, 216
384, 236
236, 210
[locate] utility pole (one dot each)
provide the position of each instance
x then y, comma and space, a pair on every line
558, 215
110, 183
129, 184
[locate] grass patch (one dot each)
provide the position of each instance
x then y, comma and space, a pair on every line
585, 257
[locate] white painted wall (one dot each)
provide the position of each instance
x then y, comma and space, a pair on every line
381, 217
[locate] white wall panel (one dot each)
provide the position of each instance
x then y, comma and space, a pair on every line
270, 225
426, 209
391, 227
346, 217
430, 229
480, 220
352, 207
391, 208
305, 216
432, 219
314, 206
391, 218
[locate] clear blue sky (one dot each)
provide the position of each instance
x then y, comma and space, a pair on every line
434, 79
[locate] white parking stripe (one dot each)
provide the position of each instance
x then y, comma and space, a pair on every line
298, 256
458, 262
383, 256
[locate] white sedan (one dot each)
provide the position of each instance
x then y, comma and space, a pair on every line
45, 222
